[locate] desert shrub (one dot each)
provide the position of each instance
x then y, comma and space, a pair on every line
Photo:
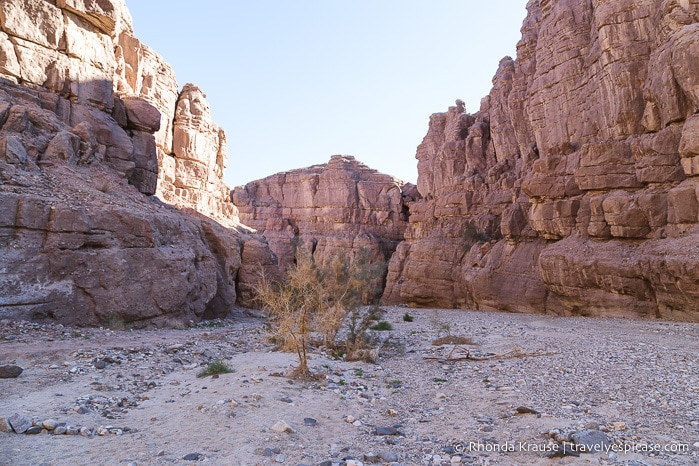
453, 340
214, 367
382, 326
316, 299
407, 317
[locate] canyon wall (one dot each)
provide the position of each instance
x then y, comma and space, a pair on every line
92, 124
574, 189
339, 207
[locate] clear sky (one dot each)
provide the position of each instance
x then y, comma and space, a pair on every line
295, 81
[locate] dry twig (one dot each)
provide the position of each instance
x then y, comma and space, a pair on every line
514, 353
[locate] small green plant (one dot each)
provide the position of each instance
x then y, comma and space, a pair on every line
441, 327
395, 384
337, 355
215, 367
211, 324
438, 380
407, 317
359, 373
382, 326
342, 382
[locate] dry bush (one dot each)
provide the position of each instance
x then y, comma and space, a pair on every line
453, 340
316, 299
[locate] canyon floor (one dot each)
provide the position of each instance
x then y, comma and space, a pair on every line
525, 384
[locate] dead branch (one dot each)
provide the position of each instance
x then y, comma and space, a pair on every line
514, 353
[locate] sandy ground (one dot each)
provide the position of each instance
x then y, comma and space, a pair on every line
637, 381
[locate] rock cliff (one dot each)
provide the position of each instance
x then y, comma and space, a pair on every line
574, 189
87, 116
339, 207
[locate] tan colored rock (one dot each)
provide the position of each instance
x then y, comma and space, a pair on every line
36, 21
9, 65
589, 133
82, 245
106, 15
339, 207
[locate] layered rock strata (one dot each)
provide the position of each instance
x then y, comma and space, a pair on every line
86, 111
574, 189
339, 207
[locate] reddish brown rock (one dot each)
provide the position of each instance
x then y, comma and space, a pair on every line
339, 207
590, 133
82, 240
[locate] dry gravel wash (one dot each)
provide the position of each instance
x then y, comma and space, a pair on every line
636, 380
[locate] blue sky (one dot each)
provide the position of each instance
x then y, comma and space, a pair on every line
294, 82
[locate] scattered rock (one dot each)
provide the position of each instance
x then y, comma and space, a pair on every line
4, 425
309, 421
19, 423
281, 427
99, 364
590, 441
619, 425
10, 371
286, 399
388, 456
49, 424
387, 431
525, 410
192, 457
33, 430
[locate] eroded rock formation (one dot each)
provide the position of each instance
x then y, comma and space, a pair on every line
86, 112
574, 189
338, 207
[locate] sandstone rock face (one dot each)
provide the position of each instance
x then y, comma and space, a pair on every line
86, 114
339, 207
573, 190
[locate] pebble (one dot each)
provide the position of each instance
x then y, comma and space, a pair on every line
281, 427
619, 425
309, 421
525, 410
99, 364
384, 431
49, 424
60, 430
5, 425
286, 399
192, 457
10, 371
388, 456
33, 430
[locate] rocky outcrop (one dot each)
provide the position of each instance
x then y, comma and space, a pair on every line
574, 189
86, 112
339, 207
